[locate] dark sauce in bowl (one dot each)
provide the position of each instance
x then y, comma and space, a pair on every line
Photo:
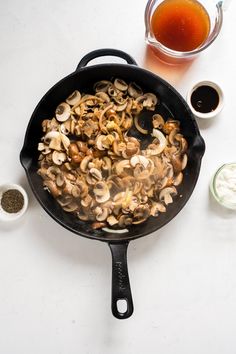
205, 99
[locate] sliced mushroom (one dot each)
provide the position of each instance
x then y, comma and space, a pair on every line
87, 201
157, 121
177, 180
166, 195
93, 176
125, 220
141, 213
104, 96
102, 86
120, 85
52, 172
65, 141
139, 159
60, 180
120, 107
169, 125
63, 112
134, 90
101, 192
84, 163
172, 136
71, 207
101, 213
83, 189
148, 100
156, 208
74, 98
58, 157
155, 149
64, 200
121, 165
52, 188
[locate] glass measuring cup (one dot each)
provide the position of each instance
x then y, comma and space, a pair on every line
214, 13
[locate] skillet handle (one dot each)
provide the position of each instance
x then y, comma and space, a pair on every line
105, 52
120, 281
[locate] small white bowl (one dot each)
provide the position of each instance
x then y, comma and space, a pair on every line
222, 185
4, 215
219, 107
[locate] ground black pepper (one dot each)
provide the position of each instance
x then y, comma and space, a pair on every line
12, 201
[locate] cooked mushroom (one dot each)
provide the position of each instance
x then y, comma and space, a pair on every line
101, 213
104, 96
52, 187
169, 125
93, 176
101, 192
120, 85
134, 90
84, 163
58, 157
166, 195
141, 213
74, 98
112, 220
102, 86
63, 112
139, 159
52, 172
148, 100
157, 121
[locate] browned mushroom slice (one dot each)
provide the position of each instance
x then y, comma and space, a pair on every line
58, 157
52, 172
103, 96
93, 176
170, 124
157, 121
141, 213
52, 188
156, 208
125, 220
84, 163
101, 213
112, 220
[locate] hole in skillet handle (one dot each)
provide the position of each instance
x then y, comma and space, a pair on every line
121, 297
122, 305
105, 52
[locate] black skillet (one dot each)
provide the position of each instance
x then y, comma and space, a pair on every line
171, 105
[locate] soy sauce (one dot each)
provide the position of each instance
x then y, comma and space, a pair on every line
181, 25
205, 99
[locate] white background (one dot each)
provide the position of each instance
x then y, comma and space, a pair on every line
54, 285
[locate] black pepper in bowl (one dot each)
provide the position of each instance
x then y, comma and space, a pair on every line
12, 201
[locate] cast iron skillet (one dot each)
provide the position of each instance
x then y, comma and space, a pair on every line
171, 105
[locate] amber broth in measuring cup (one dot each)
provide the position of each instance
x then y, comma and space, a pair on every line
181, 25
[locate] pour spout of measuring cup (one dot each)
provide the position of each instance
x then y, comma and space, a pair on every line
224, 4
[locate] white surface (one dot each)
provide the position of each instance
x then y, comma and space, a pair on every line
54, 285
